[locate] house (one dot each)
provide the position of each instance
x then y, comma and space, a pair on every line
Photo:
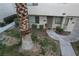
64, 15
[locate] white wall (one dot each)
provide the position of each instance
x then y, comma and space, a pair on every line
55, 9
71, 25
6, 9
43, 20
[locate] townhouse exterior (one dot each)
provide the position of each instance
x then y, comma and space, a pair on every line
64, 15
54, 14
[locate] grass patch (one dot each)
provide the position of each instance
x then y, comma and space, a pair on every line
13, 33
75, 46
10, 50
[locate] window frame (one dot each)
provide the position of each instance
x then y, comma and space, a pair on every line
37, 19
57, 20
32, 4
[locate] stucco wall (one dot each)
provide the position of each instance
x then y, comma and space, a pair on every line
55, 9
43, 20
71, 25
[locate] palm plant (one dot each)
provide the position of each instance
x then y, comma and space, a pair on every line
22, 12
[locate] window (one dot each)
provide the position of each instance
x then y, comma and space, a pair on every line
32, 4
58, 20
36, 19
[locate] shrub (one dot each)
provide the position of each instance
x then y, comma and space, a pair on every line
44, 43
34, 37
41, 27
10, 50
59, 29
10, 18
34, 26
16, 22
2, 24
44, 46
13, 33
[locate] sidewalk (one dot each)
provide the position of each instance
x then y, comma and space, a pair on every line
66, 48
2, 29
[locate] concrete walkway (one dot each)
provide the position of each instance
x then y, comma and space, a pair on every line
2, 29
66, 48
27, 43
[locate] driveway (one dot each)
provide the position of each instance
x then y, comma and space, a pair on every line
65, 46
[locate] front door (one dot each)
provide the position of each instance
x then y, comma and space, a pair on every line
49, 22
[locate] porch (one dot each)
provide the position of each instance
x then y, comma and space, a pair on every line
66, 23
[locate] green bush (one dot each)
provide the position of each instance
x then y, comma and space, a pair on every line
41, 27
2, 24
34, 26
44, 43
16, 22
34, 37
10, 18
59, 29
10, 50
13, 33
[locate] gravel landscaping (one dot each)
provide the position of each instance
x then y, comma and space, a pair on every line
43, 44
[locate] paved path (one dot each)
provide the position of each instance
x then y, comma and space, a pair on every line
66, 48
2, 29
74, 36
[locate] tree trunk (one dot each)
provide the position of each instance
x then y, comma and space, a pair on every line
21, 9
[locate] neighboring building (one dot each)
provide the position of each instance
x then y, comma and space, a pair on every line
52, 14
